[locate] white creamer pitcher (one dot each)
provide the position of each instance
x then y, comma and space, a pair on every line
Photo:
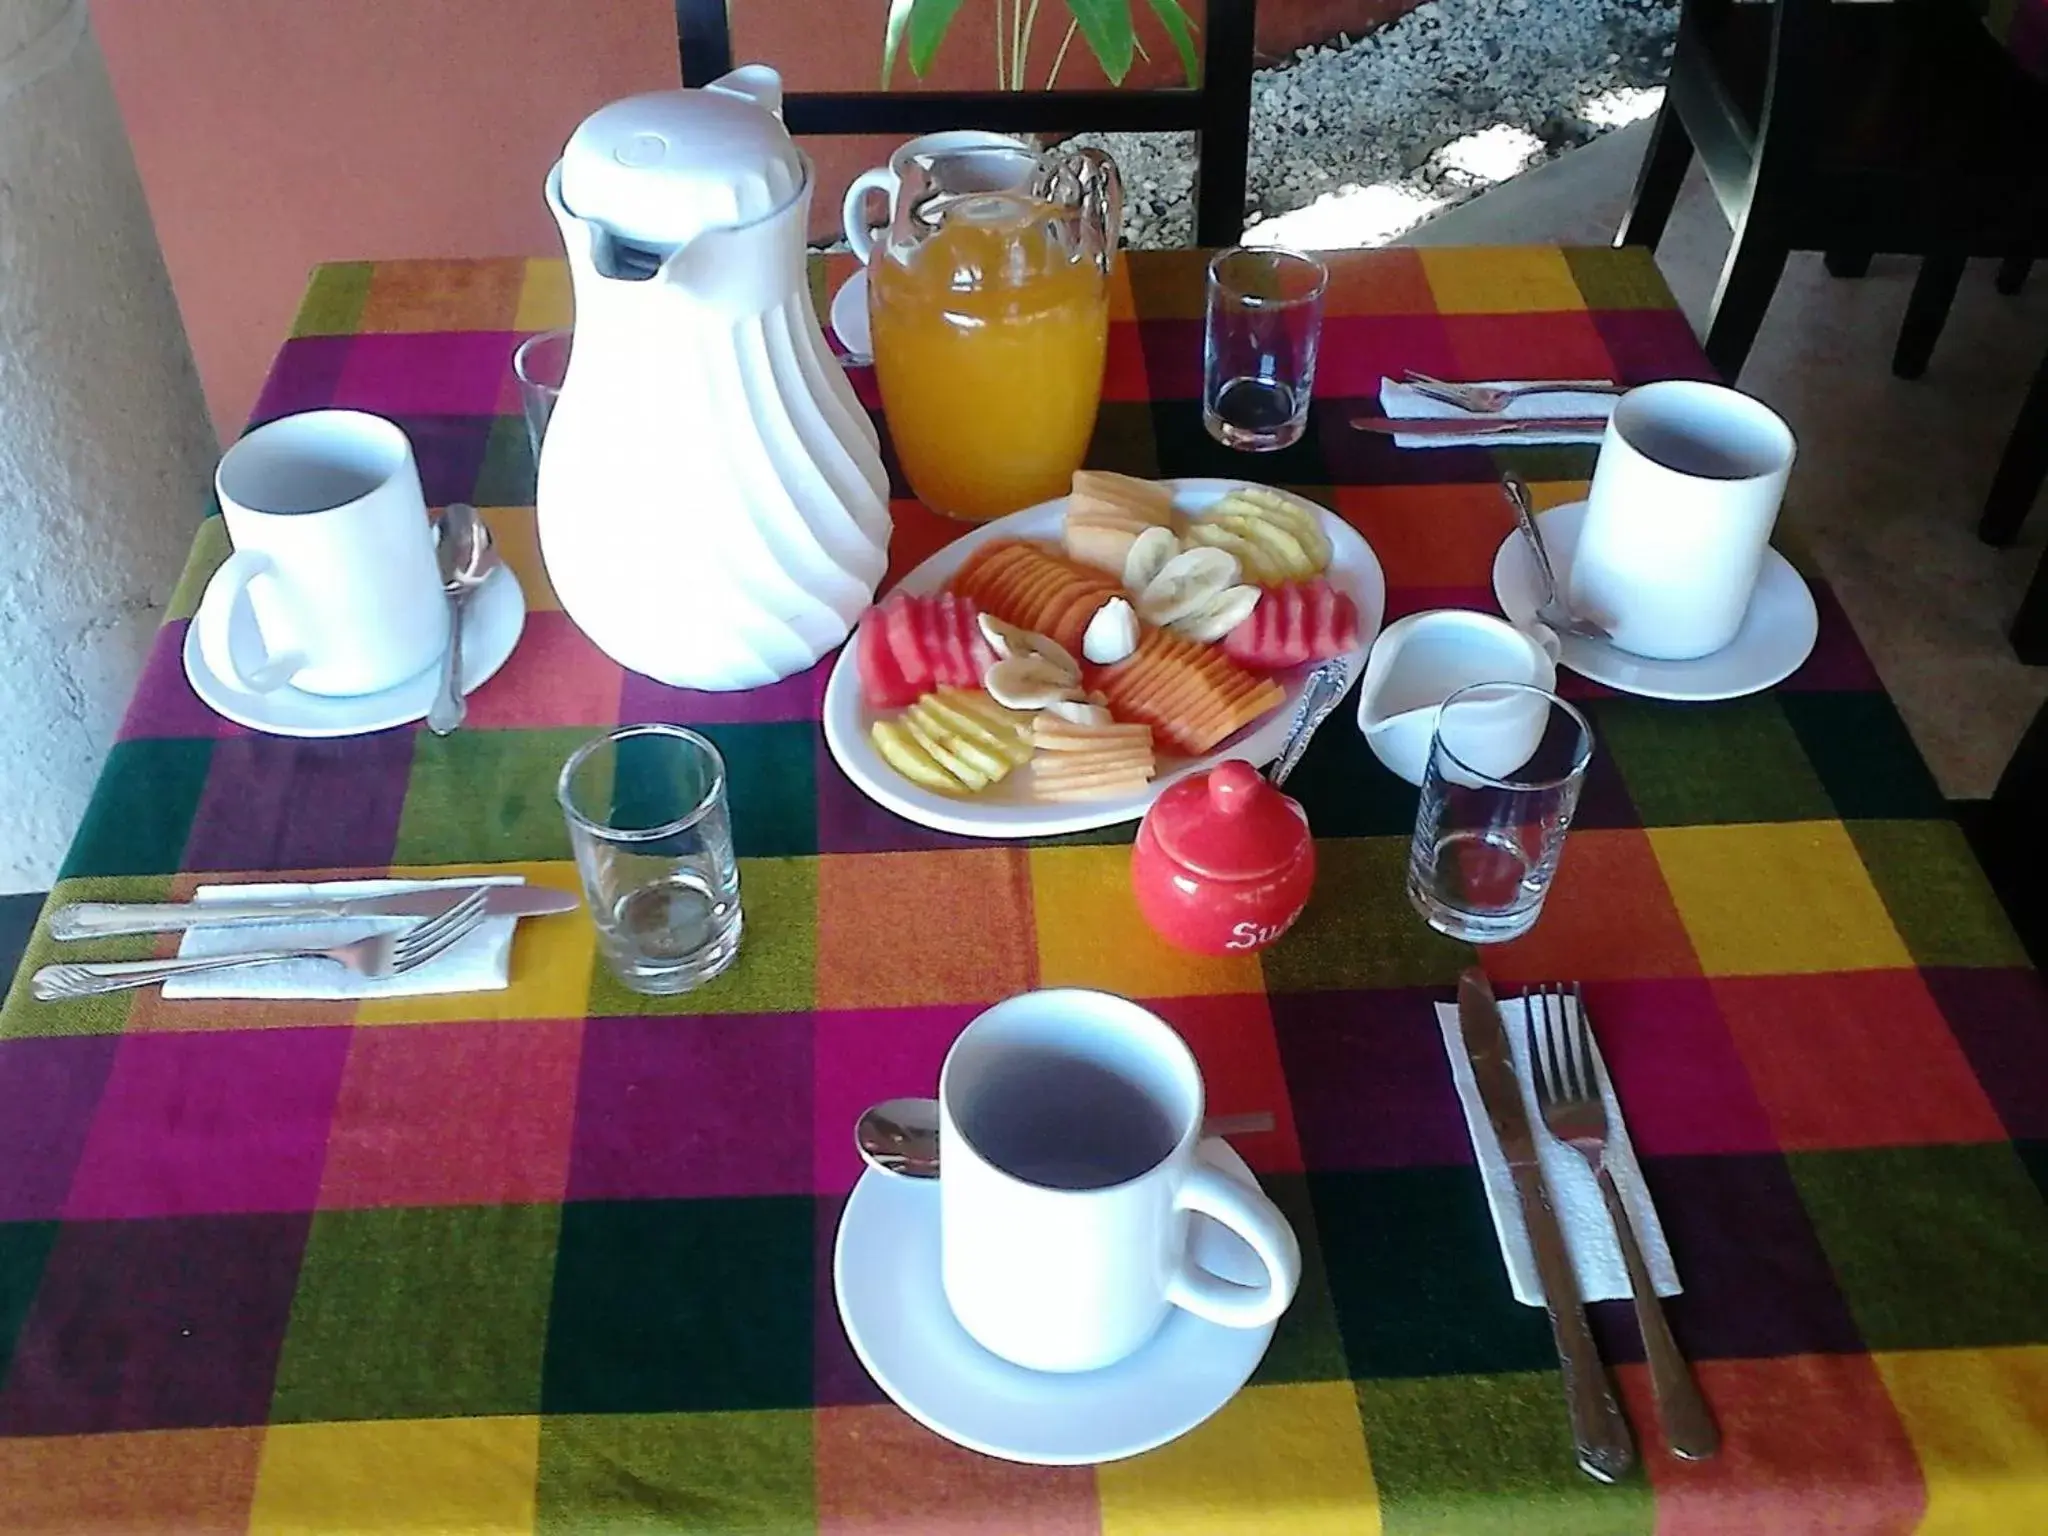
712, 505
1423, 659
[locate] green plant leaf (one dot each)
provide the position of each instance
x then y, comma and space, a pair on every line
892, 36
929, 20
1175, 20
1106, 24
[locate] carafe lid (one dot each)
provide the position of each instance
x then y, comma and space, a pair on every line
1228, 823
655, 171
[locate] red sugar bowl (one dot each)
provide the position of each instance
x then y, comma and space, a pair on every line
1224, 862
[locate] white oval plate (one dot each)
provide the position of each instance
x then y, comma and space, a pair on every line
1777, 633
1010, 809
492, 622
885, 1275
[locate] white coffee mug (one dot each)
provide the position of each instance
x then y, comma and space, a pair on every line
333, 554
1684, 498
971, 173
1069, 1120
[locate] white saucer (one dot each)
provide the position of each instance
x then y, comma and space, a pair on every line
1777, 633
885, 1270
850, 318
492, 622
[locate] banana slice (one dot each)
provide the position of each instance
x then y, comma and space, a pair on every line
1148, 557
1028, 682
1186, 583
1219, 616
1080, 712
1112, 634
1011, 643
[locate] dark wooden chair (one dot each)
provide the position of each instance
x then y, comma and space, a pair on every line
2010, 838
1847, 129
1218, 109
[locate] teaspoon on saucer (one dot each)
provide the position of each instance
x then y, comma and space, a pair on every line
901, 1136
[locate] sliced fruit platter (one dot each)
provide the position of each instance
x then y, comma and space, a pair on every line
1054, 670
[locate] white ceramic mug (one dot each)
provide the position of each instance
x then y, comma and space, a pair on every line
333, 554
1684, 498
1070, 1120
974, 175
1421, 660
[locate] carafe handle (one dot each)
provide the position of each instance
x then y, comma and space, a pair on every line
1088, 179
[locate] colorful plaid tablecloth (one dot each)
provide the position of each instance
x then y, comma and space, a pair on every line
558, 1257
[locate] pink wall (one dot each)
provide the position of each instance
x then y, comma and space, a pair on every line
276, 134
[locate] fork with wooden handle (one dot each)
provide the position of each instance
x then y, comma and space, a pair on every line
1568, 1092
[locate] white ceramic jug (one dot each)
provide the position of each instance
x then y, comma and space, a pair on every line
1423, 659
712, 505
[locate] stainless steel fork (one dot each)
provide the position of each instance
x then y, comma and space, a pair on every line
1491, 399
376, 957
1568, 1091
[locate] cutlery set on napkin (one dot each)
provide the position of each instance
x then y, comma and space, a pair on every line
328, 940
1425, 412
1563, 1242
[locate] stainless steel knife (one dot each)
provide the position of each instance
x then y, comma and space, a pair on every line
106, 919
1600, 1434
1478, 428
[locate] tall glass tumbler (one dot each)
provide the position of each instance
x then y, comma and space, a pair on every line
1265, 316
652, 834
1505, 769
540, 365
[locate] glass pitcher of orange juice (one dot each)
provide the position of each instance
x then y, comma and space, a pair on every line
990, 313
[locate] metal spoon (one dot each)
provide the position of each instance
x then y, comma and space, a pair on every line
467, 560
901, 1136
1322, 692
1553, 610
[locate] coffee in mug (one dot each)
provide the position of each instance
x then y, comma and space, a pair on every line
1070, 1120
333, 554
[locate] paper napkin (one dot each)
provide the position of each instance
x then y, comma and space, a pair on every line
481, 962
1404, 402
1574, 1193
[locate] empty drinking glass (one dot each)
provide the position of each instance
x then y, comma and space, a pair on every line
653, 839
1265, 315
540, 364
1504, 774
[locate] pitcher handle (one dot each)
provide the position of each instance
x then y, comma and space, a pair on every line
1089, 178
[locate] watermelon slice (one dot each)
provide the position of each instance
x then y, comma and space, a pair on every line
951, 659
910, 645
1302, 621
900, 617
1347, 625
882, 682
1321, 622
980, 654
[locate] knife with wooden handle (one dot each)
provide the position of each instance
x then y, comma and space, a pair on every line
1600, 1434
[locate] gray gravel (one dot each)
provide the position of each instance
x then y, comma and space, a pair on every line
1396, 109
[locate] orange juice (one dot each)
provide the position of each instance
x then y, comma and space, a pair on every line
989, 340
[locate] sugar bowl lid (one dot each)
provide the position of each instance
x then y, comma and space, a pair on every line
1228, 823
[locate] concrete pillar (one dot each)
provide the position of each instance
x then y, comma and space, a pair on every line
105, 446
